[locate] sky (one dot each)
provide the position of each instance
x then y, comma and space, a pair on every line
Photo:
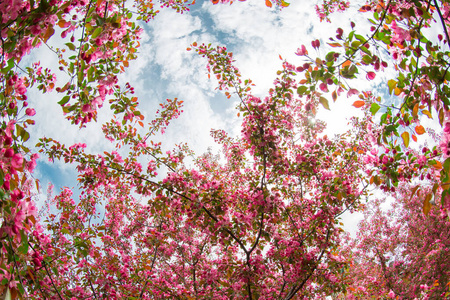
257, 36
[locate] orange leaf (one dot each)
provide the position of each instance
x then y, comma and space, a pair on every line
346, 63
334, 45
63, 24
426, 112
426, 204
50, 31
438, 165
419, 129
268, 3
414, 138
397, 91
334, 96
415, 110
358, 103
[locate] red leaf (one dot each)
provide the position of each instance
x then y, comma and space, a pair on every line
268, 3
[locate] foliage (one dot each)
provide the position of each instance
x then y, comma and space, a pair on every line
263, 219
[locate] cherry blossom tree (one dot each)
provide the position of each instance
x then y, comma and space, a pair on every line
420, 61
401, 252
393, 255
260, 220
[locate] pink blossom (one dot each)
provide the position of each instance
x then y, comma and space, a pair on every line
323, 87
400, 34
21, 88
447, 127
315, 44
86, 108
302, 51
17, 161
32, 163
370, 75
352, 92
30, 112
98, 101
445, 145
9, 153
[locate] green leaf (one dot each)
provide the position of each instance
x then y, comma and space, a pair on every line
90, 72
22, 133
374, 108
447, 165
330, 56
376, 16
9, 66
64, 100
405, 137
21, 289
302, 90
389, 129
360, 38
80, 76
71, 46
391, 84
350, 36
353, 70
324, 103
24, 247
355, 44
365, 50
